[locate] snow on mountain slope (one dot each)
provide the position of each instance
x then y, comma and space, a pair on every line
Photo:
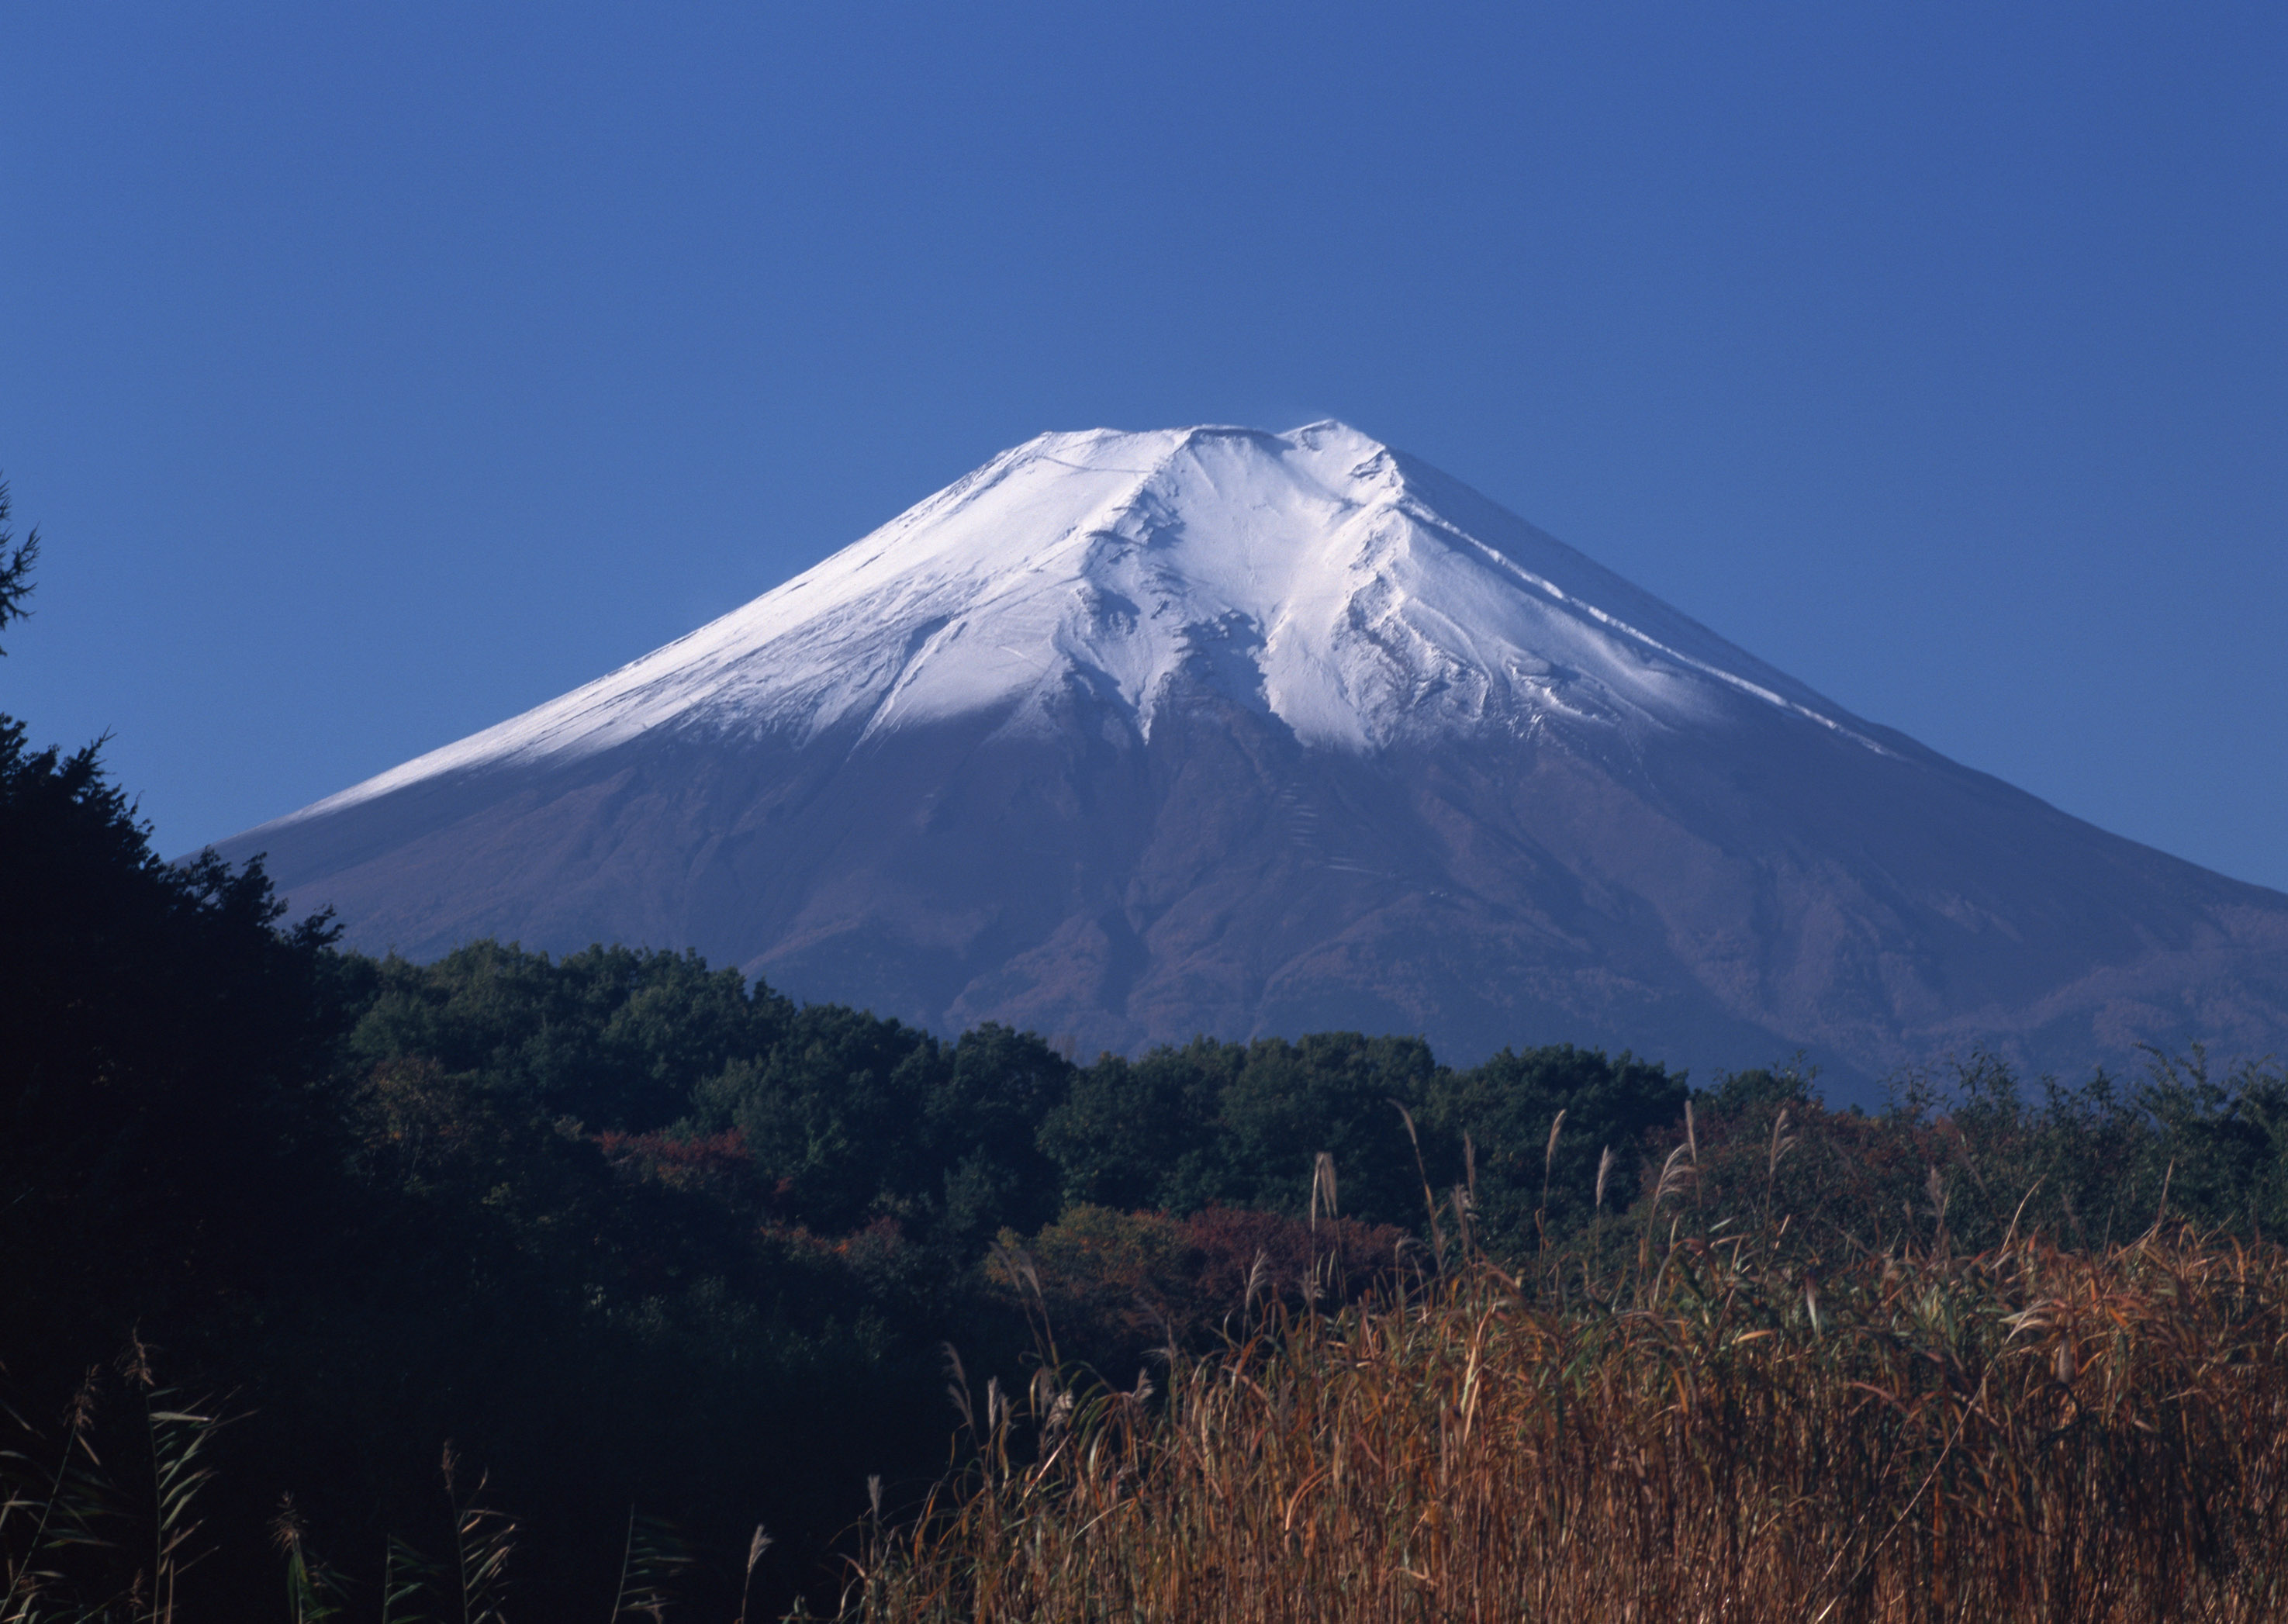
1305, 574
1130, 737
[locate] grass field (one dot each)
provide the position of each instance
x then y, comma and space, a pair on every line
2026, 1434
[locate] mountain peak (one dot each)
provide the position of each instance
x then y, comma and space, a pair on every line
1359, 598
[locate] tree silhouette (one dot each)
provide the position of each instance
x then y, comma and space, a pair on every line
15, 567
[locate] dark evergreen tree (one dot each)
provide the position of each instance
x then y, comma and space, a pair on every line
16, 562
163, 1136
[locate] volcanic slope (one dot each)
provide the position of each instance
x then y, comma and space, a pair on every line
1126, 737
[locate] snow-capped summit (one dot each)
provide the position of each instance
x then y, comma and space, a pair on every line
1316, 576
1128, 736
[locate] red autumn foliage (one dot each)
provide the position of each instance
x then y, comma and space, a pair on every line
718, 1165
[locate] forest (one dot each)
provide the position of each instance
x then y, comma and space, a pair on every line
525, 1286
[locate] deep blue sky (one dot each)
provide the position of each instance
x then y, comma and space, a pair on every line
377, 372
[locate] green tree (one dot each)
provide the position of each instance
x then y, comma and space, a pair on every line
615, 1038
1241, 1125
1506, 1108
1140, 1134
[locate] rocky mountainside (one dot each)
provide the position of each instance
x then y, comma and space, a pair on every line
1127, 737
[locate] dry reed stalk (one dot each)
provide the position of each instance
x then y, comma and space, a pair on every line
2028, 1434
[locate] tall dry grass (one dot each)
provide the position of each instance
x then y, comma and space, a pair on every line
2030, 1434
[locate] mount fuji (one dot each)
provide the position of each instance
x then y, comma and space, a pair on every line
1126, 737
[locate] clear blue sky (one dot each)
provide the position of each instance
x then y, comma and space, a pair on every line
376, 372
